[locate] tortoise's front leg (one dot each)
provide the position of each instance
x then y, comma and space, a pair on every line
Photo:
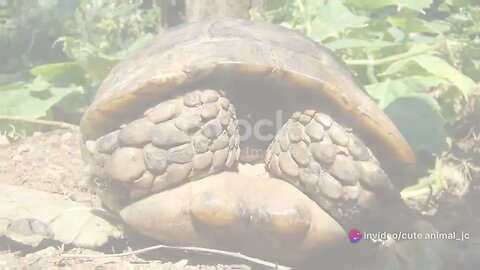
176, 141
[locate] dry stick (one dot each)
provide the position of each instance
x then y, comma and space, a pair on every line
39, 121
194, 249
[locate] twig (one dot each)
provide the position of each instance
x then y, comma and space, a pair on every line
393, 58
39, 121
194, 249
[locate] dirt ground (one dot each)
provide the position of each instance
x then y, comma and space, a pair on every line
51, 162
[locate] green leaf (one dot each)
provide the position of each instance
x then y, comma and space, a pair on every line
406, 63
413, 24
439, 67
69, 72
96, 64
19, 101
369, 4
419, 120
396, 67
417, 5
386, 92
332, 18
276, 4
350, 43
38, 85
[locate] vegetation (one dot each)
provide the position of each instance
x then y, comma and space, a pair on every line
419, 59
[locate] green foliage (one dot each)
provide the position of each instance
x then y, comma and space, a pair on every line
411, 54
416, 57
32, 99
60, 51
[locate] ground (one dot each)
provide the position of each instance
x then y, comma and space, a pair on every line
51, 163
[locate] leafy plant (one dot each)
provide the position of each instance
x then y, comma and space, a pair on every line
416, 58
71, 47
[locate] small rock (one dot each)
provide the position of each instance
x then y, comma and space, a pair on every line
17, 158
23, 148
66, 136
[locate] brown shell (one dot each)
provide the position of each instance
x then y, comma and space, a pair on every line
192, 54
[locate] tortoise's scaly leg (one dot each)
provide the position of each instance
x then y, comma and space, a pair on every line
176, 141
330, 164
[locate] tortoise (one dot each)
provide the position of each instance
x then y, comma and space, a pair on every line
186, 141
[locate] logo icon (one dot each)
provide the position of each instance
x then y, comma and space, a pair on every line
354, 235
